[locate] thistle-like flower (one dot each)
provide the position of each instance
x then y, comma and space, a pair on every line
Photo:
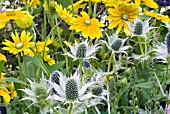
163, 50
82, 50
70, 90
139, 28
116, 44
38, 94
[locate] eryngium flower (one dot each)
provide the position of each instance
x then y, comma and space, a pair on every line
139, 28
86, 64
163, 2
116, 44
54, 77
71, 90
167, 41
82, 50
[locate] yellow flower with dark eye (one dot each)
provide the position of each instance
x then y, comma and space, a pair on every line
77, 5
120, 14
32, 3
112, 2
20, 44
11, 14
149, 3
88, 27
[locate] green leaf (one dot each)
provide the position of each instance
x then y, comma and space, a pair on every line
56, 66
35, 61
15, 80
145, 85
1, 65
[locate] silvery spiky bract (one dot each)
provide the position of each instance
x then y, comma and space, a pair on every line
167, 41
71, 90
116, 44
82, 50
139, 28
38, 93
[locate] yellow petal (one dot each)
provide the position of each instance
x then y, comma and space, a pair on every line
150, 3
5, 96
137, 2
2, 57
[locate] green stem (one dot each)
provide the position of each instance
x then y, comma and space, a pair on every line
20, 70
89, 10
140, 46
71, 1
25, 67
44, 26
71, 109
13, 29
94, 10
97, 110
81, 62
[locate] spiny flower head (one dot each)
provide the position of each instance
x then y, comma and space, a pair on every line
167, 41
82, 50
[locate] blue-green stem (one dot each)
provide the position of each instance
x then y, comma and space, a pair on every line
140, 45
97, 110
94, 10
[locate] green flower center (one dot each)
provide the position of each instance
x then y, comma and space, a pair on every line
117, 44
71, 89
138, 28
124, 17
87, 22
19, 45
81, 51
97, 90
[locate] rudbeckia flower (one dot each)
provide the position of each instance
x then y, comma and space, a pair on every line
64, 14
32, 3
20, 44
112, 2
11, 14
77, 5
149, 3
69, 90
48, 59
82, 51
120, 14
88, 27
139, 28
116, 44
157, 16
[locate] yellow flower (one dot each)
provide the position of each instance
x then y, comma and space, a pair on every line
2, 57
48, 59
25, 22
89, 27
121, 13
32, 3
149, 3
39, 47
64, 14
77, 5
157, 16
95, 1
52, 5
11, 15
2, 77
13, 93
107, 78
20, 44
